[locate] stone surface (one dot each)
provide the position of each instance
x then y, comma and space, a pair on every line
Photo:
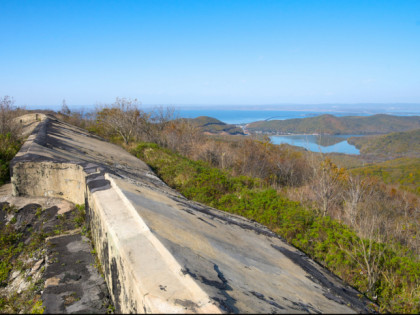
163, 253
73, 285
48, 271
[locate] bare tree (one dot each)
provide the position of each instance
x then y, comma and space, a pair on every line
369, 248
407, 221
159, 120
292, 168
252, 159
7, 113
162, 115
356, 191
123, 117
64, 108
326, 185
182, 136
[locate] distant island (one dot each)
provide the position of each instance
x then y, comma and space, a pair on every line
332, 125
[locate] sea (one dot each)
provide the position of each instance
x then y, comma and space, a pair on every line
242, 115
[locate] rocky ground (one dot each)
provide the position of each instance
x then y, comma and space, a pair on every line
47, 262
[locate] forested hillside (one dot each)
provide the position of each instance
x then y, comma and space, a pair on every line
402, 172
329, 124
397, 155
397, 144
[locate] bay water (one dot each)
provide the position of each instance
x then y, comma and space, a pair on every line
317, 143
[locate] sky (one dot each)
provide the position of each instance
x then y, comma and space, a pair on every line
210, 52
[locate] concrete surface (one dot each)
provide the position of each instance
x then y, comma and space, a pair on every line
163, 253
60, 269
73, 284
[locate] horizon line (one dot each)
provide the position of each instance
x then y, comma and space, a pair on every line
235, 104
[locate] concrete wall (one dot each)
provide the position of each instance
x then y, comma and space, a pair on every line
162, 253
49, 179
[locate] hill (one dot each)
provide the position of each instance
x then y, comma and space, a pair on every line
215, 126
403, 172
329, 124
396, 144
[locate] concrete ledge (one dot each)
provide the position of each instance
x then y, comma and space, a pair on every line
132, 253
162, 253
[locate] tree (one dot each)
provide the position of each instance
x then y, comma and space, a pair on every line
124, 117
65, 109
368, 249
7, 113
327, 185
182, 136
356, 191
154, 130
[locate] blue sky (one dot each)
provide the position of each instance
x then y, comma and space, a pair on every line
210, 52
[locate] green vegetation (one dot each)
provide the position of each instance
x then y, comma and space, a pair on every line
9, 146
80, 218
404, 172
38, 308
400, 149
388, 274
214, 126
15, 247
16, 303
10, 246
329, 124
10, 142
393, 144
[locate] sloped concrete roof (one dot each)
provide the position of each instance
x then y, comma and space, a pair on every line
182, 256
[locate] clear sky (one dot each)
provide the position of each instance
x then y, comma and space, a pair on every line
210, 52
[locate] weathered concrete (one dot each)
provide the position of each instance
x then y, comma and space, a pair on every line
73, 284
61, 269
163, 253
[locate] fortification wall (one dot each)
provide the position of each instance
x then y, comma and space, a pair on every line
162, 253
49, 179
